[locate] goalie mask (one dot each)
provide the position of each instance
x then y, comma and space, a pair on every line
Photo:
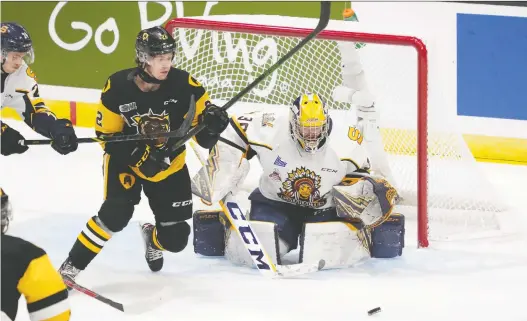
15, 38
150, 43
309, 122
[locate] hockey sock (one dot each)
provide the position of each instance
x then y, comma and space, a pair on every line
89, 243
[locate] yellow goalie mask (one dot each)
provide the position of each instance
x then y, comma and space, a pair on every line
309, 122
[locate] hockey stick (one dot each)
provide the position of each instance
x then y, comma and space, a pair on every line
180, 132
235, 214
325, 11
90, 293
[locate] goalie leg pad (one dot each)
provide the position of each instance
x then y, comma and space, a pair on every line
288, 218
236, 252
388, 238
209, 233
339, 244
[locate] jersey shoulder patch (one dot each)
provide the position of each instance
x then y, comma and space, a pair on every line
23, 81
346, 140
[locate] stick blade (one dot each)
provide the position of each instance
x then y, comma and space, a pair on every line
288, 271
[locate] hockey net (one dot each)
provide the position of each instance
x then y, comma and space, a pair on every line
433, 169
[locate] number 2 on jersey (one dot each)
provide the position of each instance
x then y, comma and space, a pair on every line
98, 120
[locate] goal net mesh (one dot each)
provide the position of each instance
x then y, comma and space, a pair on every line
460, 199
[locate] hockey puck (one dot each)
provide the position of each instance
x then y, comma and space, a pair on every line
375, 310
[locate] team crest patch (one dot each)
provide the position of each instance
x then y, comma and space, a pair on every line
127, 180
152, 123
275, 175
279, 162
301, 187
268, 119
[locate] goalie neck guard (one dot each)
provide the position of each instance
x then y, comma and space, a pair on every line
309, 122
150, 43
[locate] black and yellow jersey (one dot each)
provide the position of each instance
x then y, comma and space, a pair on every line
126, 109
27, 270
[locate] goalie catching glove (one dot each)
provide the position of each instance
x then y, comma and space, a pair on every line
369, 199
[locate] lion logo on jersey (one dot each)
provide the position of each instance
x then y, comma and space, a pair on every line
152, 123
301, 187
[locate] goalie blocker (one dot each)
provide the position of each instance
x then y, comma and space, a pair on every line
339, 243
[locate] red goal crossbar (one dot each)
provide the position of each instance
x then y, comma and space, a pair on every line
385, 39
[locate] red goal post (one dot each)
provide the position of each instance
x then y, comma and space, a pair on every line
422, 84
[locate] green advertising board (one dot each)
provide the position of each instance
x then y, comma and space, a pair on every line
80, 44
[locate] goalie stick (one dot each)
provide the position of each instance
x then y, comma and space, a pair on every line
235, 214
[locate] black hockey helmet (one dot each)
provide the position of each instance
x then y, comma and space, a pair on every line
150, 43
15, 38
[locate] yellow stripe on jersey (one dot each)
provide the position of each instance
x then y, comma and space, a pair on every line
351, 161
65, 316
107, 121
175, 166
44, 290
200, 107
260, 145
239, 130
37, 101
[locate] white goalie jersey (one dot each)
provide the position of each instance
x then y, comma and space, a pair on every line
290, 174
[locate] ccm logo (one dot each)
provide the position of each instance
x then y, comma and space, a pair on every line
183, 203
248, 236
329, 170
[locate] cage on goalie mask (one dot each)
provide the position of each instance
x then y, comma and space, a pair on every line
152, 42
15, 38
309, 122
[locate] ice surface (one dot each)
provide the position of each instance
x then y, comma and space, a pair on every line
482, 278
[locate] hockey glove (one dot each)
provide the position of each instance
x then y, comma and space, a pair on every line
214, 118
63, 136
148, 159
11, 141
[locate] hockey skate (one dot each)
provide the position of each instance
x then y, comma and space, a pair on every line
68, 271
153, 256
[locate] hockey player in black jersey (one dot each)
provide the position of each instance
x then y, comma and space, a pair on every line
153, 97
27, 270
